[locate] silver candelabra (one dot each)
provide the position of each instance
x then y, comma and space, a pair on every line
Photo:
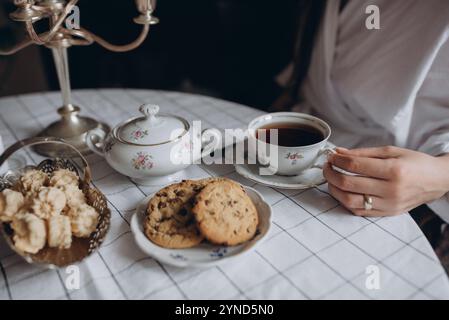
71, 127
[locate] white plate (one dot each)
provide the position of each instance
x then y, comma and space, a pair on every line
307, 179
204, 255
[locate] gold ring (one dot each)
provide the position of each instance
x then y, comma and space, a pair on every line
367, 202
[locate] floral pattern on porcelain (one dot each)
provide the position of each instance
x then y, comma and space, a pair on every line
108, 144
186, 147
142, 161
139, 134
293, 157
219, 252
178, 256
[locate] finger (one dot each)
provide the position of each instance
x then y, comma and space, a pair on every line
380, 152
354, 201
360, 185
370, 167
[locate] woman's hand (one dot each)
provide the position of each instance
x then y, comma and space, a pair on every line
397, 179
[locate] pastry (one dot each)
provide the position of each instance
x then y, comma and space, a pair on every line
83, 220
170, 222
49, 202
74, 195
10, 203
29, 232
33, 180
47, 210
59, 232
225, 214
63, 177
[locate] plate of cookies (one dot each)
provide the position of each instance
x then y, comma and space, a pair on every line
49, 214
201, 223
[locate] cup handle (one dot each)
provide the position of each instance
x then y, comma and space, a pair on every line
95, 139
210, 141
325, 151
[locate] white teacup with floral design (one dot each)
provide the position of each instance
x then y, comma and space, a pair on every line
293, 160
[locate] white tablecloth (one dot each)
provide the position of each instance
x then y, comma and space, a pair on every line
315, 250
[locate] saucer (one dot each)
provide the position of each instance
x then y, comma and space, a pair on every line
161, 180
205, 254
307, 179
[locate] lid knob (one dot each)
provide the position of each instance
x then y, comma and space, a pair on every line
149, 110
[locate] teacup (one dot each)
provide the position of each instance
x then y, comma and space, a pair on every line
289, 159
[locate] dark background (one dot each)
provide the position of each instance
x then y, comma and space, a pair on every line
231, 49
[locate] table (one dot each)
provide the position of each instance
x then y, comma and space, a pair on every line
315, 249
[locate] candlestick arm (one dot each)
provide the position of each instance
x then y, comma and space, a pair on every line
56, 26
16, 48
71, 126
120, 48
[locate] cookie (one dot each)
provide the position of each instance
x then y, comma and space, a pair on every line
169, 221
32, 180
74, 195
49, 202
10, 203
225, 214
59, 232
83, 220
63, 177
30, 233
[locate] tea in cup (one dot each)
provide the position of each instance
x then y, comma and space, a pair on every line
295, 141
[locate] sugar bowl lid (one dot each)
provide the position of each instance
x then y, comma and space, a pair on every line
153, 128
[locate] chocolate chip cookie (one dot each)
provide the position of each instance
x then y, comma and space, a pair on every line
170, 222
225, 214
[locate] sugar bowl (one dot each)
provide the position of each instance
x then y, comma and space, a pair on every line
150, 149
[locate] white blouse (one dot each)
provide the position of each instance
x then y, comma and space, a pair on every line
387, 86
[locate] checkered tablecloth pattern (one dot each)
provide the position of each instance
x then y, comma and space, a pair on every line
315, 250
